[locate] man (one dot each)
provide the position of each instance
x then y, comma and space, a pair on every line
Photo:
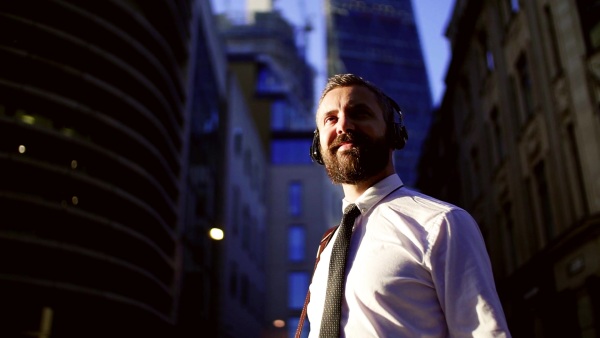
415, 266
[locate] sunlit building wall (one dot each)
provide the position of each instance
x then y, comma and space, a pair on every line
300, 201
516, 142
378, 40
303, 205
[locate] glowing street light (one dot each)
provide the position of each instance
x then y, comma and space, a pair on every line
216, 234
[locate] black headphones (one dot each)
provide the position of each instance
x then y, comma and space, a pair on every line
399, 137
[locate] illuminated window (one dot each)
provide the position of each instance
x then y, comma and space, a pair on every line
294, 151
297, 287
296, 243
295, 198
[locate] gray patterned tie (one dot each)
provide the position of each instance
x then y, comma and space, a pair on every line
332, 313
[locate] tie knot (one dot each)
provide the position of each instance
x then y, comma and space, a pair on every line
352, 211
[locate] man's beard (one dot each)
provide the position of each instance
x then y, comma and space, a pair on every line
367, 158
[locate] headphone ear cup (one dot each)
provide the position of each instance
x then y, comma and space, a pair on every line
315, 149
400, 136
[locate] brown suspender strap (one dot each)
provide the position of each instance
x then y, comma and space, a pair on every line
324, 241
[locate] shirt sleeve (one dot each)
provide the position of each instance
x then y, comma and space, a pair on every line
463, 278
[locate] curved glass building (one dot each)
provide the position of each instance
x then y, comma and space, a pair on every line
92, 102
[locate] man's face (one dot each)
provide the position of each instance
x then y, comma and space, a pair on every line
352, 135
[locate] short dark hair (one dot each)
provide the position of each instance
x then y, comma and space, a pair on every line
347, 80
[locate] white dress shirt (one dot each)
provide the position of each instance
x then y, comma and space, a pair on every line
417, 267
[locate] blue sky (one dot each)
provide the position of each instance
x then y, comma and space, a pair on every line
431, 16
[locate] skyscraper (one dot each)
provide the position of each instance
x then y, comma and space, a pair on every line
93, 115
378, 40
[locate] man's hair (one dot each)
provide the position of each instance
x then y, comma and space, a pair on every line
347, 80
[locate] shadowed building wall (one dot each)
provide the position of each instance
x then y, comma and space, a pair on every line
92, 115
515, 142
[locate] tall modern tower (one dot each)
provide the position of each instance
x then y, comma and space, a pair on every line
94, 104
378, 40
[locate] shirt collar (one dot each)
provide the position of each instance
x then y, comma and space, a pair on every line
375, 193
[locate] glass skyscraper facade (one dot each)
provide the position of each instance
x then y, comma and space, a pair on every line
378, 40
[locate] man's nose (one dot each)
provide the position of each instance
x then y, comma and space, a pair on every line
344, 124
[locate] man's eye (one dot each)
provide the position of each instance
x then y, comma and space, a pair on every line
360, 112
329, 119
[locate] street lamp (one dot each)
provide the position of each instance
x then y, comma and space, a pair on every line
216, 234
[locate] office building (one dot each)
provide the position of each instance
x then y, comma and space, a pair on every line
93, 139
301, 203
516, 142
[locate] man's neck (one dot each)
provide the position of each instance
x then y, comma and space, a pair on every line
353, 191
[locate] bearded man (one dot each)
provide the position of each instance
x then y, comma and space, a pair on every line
401, 264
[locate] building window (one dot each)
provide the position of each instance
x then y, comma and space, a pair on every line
297, 288
295, 198
233, 280
511, 253
465, 111
237, 141
551, 29
545, 206
244, 290
255, 177
515, 108
268, 82
533, 237
580, 201
246, 227
476, 170
260, 247
498, 135
236, 210
280, 115
525, 83
589, 12
291, 151
488, 56
248, 162
489, 60
251, 243
297, 243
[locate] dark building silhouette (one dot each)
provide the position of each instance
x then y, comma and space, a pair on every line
516, 142
93, 116
378, 39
